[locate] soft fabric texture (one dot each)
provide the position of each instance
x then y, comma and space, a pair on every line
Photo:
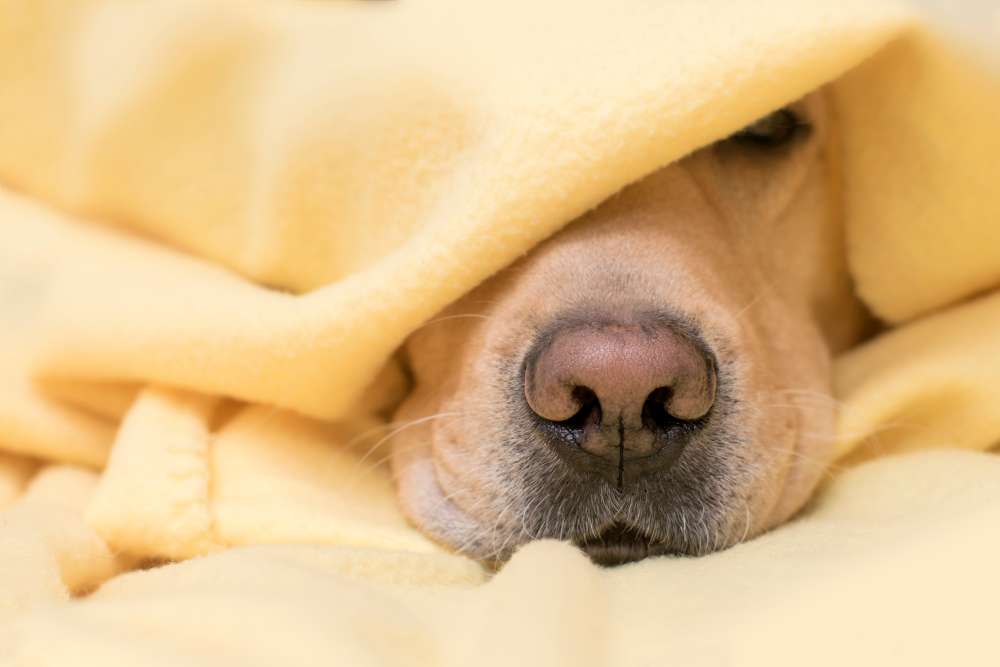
218, 220
895, 564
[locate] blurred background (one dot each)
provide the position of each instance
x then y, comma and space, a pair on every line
976, 21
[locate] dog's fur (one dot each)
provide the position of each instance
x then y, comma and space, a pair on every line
740, 243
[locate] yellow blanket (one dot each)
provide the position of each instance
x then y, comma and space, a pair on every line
218, 220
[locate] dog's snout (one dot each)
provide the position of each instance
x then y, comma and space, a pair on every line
621, 391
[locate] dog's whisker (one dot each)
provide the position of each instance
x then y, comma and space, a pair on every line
500, 517
362, 469
403, 427
446, 318
808, 398
742, 311
827, 467
511, 537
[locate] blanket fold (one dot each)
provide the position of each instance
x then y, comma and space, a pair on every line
219, 221
881, 533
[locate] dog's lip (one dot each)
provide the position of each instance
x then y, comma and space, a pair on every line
620, 543
433, 509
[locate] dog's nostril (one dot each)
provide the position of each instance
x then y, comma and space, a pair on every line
654, 411
619, 391
589, 412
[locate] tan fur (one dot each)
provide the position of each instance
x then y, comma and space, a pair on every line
744, 244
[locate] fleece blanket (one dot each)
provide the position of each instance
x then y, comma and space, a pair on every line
219, 220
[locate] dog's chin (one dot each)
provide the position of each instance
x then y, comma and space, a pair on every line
620, 544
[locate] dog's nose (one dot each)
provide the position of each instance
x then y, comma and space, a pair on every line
621, 392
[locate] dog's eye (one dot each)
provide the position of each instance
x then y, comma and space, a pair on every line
774, 129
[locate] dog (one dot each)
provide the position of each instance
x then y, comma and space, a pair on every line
656, 377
